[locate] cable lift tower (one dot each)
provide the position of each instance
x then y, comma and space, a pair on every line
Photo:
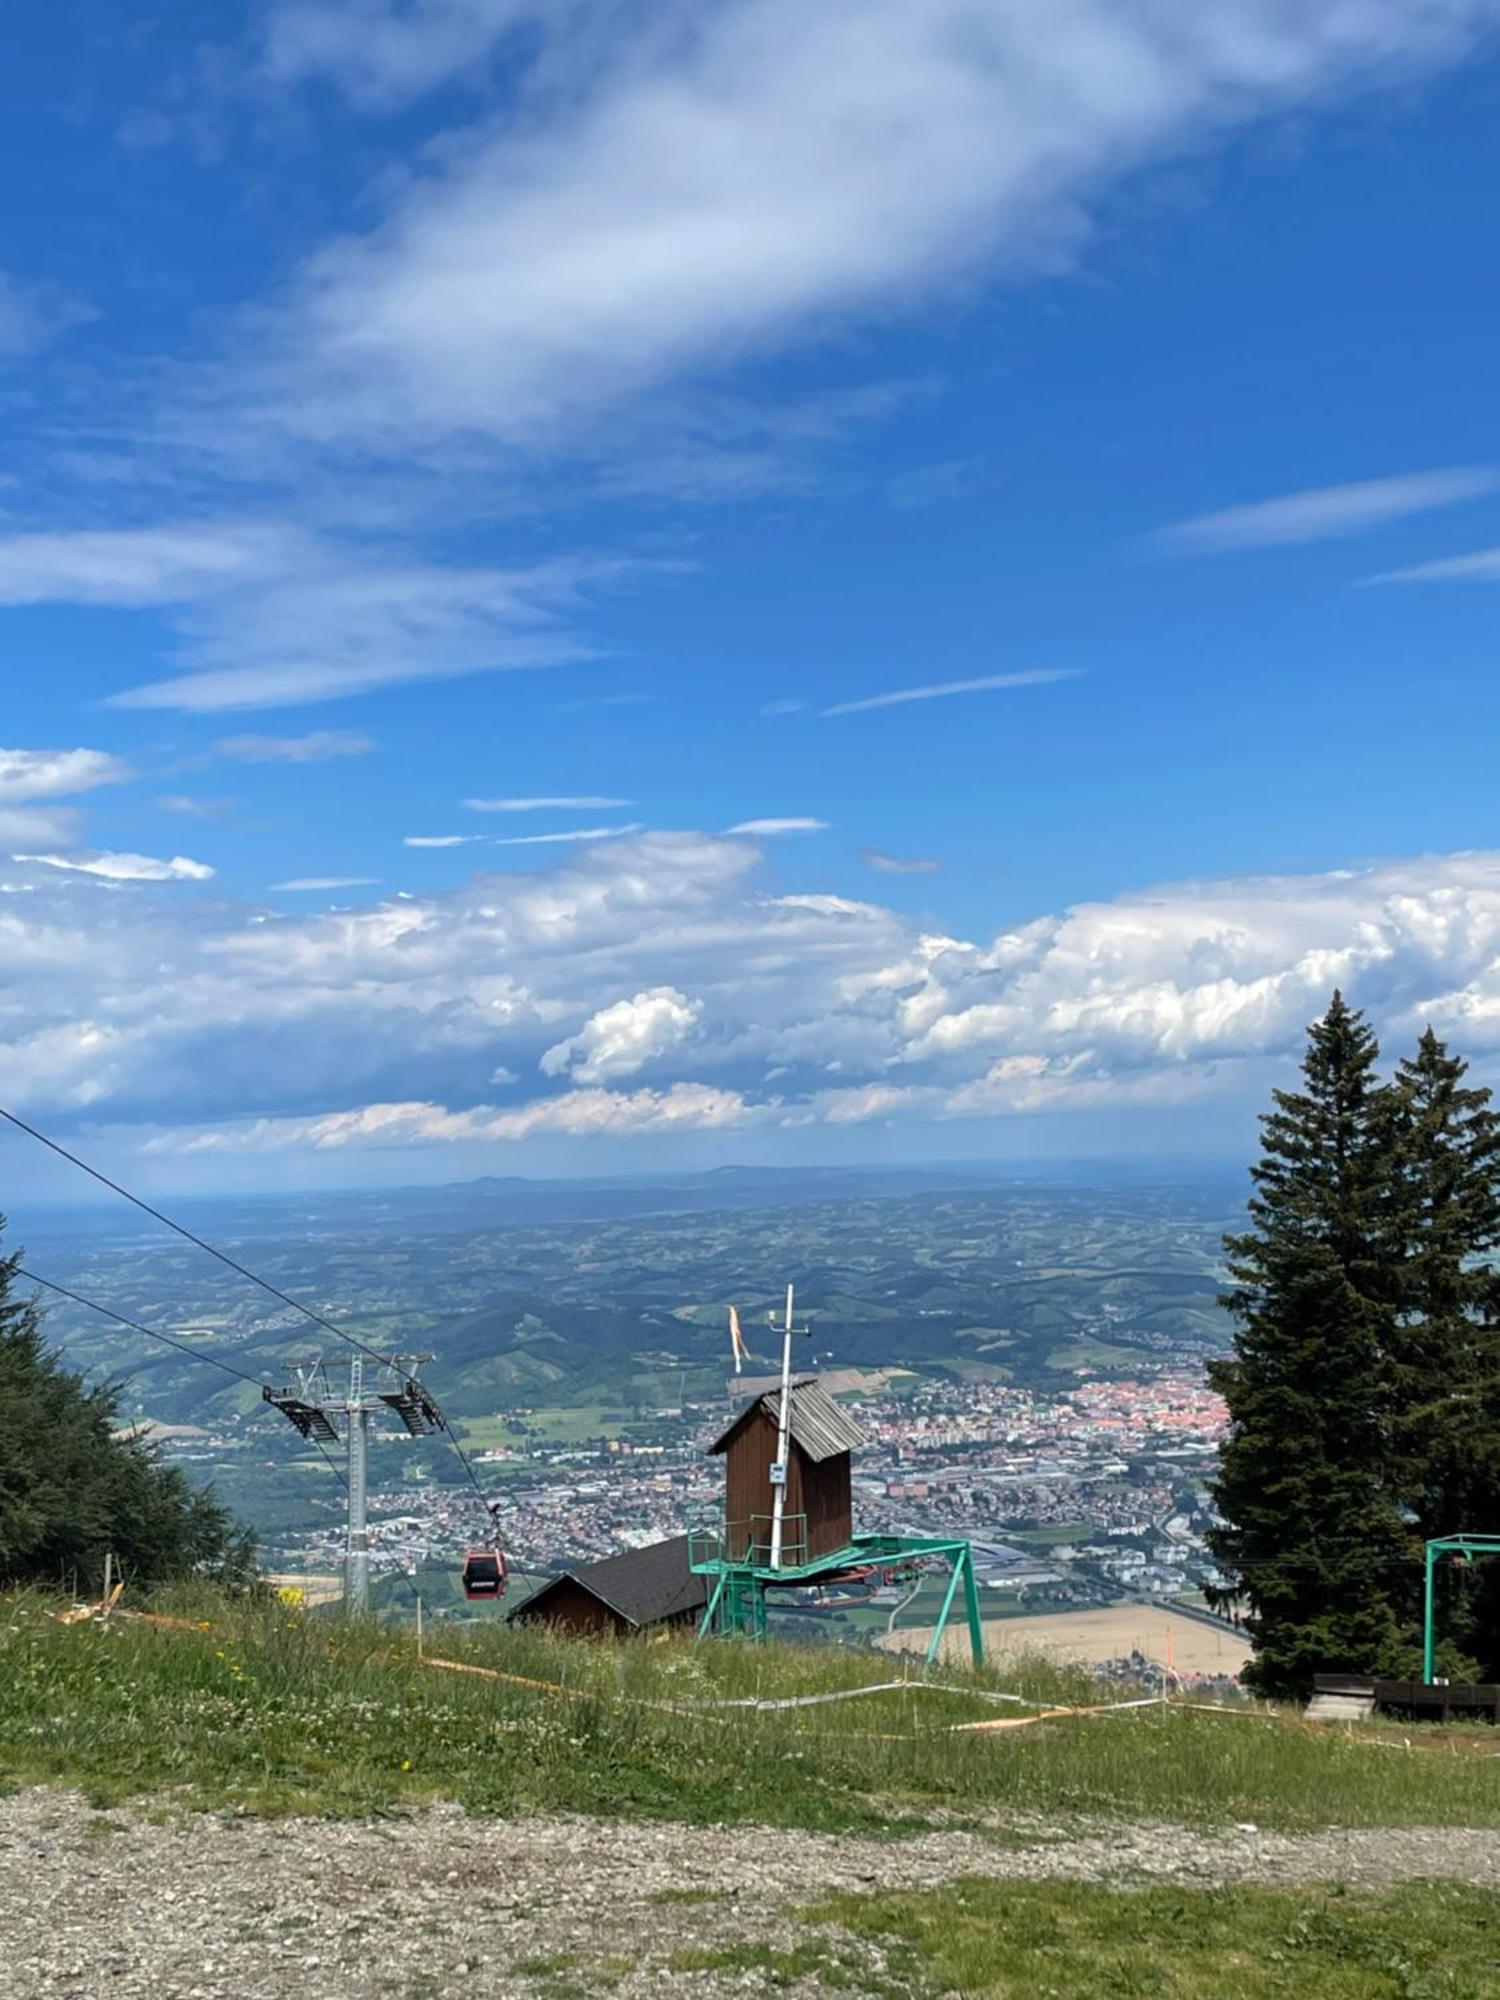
313, 1406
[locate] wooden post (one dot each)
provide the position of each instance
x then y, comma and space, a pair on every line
109, 1577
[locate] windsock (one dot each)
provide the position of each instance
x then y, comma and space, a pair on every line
737, 1345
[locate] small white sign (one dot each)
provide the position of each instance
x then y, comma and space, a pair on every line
778, 1472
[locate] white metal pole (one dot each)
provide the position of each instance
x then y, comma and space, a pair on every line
783, 1439
357, 1554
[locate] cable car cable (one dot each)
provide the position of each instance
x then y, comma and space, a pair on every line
170, 1340
318, 1319
182, 1230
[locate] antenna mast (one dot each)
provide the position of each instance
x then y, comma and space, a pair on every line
783, 1437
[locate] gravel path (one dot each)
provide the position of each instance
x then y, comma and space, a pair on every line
195, 1907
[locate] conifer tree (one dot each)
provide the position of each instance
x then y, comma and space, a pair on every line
1313, 1541
73, 1485
1445, 1344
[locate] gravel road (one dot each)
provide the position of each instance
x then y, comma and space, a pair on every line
196, 1906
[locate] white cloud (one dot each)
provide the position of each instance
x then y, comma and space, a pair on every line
29, 777
895, 864
125, 867
270, 616
384, 54
619, 1040
686, 199
1482, 566
32, 315
568, 838
663, 957
939, 690
686, 1107
770, 826
580, 803
317, 747
1326, 512
50, 774
327, 882
440, 839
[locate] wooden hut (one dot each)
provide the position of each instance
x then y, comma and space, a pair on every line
620, 1595
819, 1513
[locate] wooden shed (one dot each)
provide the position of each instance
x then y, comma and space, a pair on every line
819, 1515
621, 1595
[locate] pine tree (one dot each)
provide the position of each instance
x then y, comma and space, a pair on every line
1445, 1354
1314, 1542
73, 1485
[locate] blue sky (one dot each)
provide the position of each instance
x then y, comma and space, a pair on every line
600, 413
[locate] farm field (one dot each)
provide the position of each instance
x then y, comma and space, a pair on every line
1085, 1636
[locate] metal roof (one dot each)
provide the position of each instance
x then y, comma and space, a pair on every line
820, 1427
643, 1585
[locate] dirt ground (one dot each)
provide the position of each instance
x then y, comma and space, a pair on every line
1110, 1634
209, 1906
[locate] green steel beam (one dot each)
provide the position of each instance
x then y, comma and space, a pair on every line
1445, 1545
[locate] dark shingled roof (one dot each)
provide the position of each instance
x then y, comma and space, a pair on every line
820, 1427
643, 1585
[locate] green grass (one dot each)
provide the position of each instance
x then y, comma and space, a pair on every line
274, 1711
994, 1940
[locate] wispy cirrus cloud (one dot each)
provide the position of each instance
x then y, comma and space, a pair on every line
269, 615
895, 864
317, 747
1480, 566
582, 802
33, 781
775, 826
125, 867
300, 883
1323, 513
569, 837
442, 839
686, 201
940, 690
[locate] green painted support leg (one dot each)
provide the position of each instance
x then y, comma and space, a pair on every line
971, 1606
1429, 1637
706, 1623
935, 1642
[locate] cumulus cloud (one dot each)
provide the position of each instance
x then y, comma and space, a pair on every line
655, 983
619, 1040
1326, 512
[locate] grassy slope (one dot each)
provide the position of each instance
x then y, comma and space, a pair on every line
273, 1711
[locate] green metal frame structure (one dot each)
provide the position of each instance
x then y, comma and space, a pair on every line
1435, 1551
737, 1596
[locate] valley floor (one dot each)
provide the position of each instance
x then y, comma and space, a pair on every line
134, 1901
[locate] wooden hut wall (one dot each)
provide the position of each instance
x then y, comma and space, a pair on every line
819, 1504
571, 1608
827, 1500
747, 1482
